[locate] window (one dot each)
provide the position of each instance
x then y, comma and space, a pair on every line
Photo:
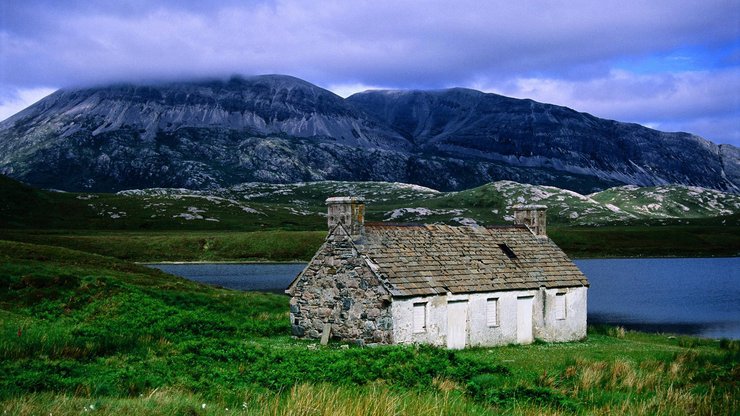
560, 306
420, 317
507, 250
492, 312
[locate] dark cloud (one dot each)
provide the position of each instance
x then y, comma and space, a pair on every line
398, 44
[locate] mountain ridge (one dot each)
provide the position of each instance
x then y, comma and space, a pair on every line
480, 128
277, 128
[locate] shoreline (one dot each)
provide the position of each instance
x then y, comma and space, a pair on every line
147, 263
186, 262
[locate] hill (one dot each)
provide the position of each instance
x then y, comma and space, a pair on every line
300, 206
279, 129
287, 222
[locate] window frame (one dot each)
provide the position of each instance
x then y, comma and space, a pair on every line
561, 306
496, 310
414, 327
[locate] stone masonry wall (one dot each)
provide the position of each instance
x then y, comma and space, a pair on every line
339, 288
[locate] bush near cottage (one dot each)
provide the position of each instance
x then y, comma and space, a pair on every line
87, 333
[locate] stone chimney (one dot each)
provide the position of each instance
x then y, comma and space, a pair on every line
534, 217
349, 211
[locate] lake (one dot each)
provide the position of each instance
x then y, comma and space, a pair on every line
263, 277
686, 296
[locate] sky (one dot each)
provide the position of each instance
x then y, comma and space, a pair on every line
669, 65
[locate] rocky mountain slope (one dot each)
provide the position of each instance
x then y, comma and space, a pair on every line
467, 124
279, 129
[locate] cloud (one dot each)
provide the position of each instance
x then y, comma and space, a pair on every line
345, 90
18, 100
396, 43
581, 54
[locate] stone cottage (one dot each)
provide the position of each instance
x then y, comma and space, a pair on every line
453, 286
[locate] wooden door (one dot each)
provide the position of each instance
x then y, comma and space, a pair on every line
524, 319
457, 324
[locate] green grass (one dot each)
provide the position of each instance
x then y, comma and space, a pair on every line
648, 241
280, 245
154, 246
88, 333
23, 207
267, 222
255, 207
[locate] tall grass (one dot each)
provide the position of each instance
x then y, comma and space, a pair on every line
302, 399
81, 333
373, 400
652, 387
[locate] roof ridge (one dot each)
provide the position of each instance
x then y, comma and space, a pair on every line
440, 225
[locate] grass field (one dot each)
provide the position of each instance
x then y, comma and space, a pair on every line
269, 222
181, 246
85, 330
87, 333
648, 241
280, 245
259, 207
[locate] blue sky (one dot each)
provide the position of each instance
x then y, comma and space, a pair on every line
671, 65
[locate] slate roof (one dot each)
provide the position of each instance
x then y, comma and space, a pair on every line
435, 259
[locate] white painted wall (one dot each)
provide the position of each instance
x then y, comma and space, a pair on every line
545, 326
573, 326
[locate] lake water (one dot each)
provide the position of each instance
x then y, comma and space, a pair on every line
687, 296
270, 277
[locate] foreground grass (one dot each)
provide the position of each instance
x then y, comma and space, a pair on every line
301, 399
81, 332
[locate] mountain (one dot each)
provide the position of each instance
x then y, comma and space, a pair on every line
196, 135
468, 124
279, 129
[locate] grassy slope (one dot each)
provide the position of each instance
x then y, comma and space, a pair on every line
181, 246
253, 219
252, 207
22, 207
670, 201
577, 242
95, 331
648, 241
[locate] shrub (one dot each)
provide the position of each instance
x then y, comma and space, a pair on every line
492, 389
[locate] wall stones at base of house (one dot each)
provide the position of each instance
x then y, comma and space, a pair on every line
339, 288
